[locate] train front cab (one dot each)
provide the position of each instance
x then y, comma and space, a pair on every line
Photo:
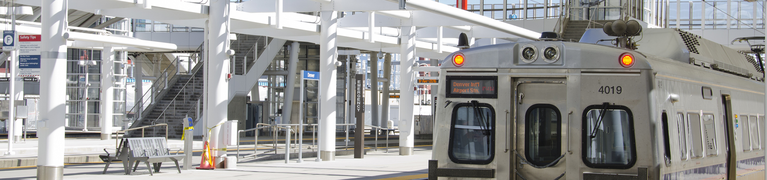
560, 122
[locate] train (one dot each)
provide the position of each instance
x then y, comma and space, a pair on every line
666, 104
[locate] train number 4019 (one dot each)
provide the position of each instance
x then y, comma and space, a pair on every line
610, 89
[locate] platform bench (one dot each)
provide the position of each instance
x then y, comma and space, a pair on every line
119, 155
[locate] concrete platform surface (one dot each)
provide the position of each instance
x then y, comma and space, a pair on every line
375, 165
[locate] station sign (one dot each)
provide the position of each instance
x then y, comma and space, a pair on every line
311, 75
9, 38
29, 55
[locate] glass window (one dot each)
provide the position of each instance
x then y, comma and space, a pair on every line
472, 136
681, 126
608, 137
142, 25
745, 136
543, 128
666, 144
761, 128
709, 131
695, 135
754, 129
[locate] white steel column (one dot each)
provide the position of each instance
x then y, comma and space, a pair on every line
374, 102
407, 61
216, 106
328, 54
371, 26
287, 107
50, 126
107, 91
385, 105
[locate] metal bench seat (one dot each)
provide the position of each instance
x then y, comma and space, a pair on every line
152, 150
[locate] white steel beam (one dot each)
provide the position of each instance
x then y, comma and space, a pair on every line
371, 26
216, 72
467, 16
107, 91
407, 59
327, 97
50, 163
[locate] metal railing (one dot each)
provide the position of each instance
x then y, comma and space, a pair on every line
169, 76
713, 15
123, 132
298, 140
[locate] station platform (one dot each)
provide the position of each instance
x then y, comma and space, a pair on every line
266, 162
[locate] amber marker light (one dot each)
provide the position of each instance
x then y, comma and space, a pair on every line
458, 60
627, 60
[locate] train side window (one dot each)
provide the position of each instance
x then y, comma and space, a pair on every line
543, 128
608, 137
760, 125
709, 131
666, 144
472, 135
695, 133
754, 129
681, 126
745, 136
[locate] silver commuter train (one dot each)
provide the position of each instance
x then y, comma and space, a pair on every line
678, 107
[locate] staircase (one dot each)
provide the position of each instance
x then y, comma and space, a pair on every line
173, 102
244, 48
183, 96
183, 99
575, 29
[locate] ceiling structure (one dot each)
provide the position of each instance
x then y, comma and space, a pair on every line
298, 20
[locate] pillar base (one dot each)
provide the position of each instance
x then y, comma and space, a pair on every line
328, 155
106, 136
405, 151
50, 172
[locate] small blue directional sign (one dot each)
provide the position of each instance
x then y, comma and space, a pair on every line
311, 75
190, 121
8, 38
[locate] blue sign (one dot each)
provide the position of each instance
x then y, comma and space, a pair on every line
311, 75
190, 121
8, 38
29, 61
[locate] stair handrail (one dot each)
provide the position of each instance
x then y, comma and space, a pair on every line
196, 57
155, 89
173, 101
564, 18
255, 46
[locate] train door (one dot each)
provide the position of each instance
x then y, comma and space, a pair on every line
729, 137
540, 105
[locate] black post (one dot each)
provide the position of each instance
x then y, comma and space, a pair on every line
359, 113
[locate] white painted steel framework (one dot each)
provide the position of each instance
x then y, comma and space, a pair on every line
216, 76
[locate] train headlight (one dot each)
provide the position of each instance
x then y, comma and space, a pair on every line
458, 60
551, 54
627, 60
529, 54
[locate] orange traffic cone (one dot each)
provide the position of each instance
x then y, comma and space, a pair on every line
207, 161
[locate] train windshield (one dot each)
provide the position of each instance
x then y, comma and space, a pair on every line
609, 137
543, 127
472, 134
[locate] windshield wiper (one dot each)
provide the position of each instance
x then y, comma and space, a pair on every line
483, 124
599, 121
